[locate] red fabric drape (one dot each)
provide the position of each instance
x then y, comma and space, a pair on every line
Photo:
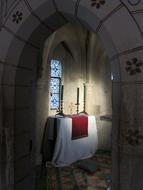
79, 127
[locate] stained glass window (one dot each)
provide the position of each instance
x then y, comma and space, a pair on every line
55, 68
55, 84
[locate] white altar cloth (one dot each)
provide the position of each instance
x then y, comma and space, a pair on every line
67, 150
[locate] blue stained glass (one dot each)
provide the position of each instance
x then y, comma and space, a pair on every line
54, 86
54, 101
55, 68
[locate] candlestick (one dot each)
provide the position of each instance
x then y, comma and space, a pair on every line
77, 95
84, 99
84, 96
84, 91
77, 102
60, 111
62, 92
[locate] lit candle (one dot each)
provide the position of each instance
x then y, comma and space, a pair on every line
77, 95
62, 92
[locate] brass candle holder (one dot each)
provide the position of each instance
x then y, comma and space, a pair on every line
84, 100
77, 101
77, 107
60, 112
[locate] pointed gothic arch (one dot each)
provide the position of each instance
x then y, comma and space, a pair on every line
25, 25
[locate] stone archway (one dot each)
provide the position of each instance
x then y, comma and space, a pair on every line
24, 26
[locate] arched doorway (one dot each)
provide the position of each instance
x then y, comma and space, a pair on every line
24, 27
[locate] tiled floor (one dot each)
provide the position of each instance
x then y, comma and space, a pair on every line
90, 174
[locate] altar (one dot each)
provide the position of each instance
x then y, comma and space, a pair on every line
74, 137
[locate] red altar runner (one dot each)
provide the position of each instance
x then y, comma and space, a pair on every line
79, 127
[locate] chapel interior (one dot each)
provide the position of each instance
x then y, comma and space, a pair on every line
71, 95
84, 62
